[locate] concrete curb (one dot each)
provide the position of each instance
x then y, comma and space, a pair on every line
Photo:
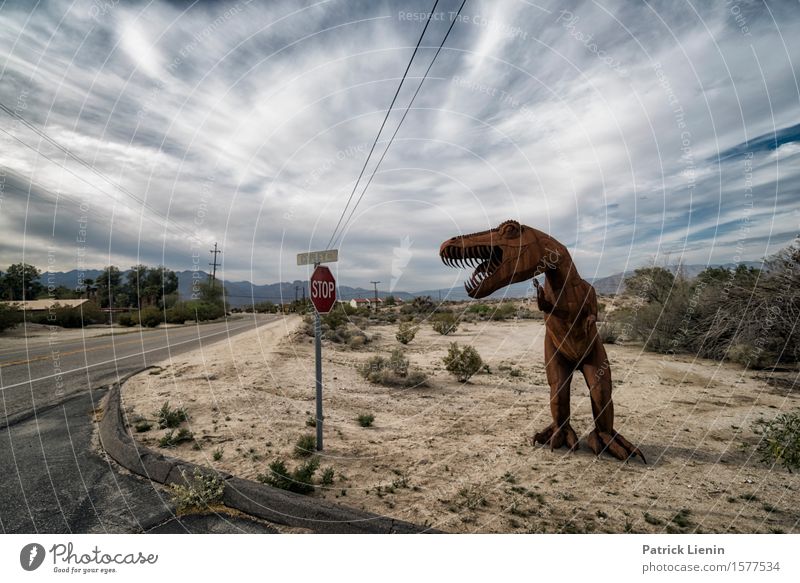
253, 498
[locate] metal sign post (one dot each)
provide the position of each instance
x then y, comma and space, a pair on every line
318, 356
323, 297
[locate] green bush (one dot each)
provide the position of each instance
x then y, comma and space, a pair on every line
462, 363
779, 441
172, 439
503, 311
406, 332
305, 446
334, 326
169, 417
365, 419
299, 481
203, 311
357, 340
67, 317
200, 492
179, 313
265, 308
422, 306
126, 320
607, 332
143, 426
479, 309
327, 477
745, 315
150, 317
9, 317
445, 323
392, 372
398, 363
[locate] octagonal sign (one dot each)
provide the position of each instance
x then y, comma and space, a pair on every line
323, 289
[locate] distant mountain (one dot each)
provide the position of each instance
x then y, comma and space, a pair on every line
241, 293
67, 278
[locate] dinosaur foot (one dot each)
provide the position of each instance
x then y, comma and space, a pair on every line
557, 436
613, 443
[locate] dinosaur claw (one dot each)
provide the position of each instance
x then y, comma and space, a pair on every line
557, 436
614, 444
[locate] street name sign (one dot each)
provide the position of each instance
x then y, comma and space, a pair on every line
315, 257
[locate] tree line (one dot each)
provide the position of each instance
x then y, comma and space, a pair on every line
141, 286
149, 293
745, 315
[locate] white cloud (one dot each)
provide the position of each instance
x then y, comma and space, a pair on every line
248, 123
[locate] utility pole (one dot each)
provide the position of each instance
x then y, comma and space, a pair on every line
375, 283
214, 264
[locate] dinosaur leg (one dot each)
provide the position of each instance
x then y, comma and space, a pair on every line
559, 377
597, 372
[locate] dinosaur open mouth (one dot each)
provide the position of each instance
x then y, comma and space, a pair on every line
485, 259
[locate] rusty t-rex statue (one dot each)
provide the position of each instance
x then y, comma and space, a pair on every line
512, 253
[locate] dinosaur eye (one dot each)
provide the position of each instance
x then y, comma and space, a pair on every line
510, 229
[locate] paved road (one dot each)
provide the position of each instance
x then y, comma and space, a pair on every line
39, 375
53, 478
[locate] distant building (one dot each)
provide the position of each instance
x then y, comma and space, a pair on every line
45, 305
365, 302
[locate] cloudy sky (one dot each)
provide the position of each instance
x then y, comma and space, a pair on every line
631, 132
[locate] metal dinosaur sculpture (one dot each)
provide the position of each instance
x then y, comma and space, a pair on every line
512, 253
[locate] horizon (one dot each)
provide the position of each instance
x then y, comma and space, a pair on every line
403, 291
247, 125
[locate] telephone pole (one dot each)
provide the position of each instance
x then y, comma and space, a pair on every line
375, 283
214, 263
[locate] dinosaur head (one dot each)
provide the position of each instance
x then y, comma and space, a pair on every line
507, 254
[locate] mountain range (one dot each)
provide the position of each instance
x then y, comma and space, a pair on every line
241, 293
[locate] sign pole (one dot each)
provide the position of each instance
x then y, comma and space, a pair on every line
318, 352
322, 290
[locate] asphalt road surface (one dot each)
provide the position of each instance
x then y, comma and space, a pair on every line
54, 479
36, 376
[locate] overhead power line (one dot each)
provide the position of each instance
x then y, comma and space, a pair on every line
386, 117
402, 119
90, 167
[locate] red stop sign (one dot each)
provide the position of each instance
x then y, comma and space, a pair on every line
323, 289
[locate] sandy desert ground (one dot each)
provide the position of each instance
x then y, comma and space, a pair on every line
456, 456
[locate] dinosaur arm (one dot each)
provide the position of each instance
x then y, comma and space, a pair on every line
544, 305
549, 308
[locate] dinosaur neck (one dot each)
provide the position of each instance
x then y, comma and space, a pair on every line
560, 270
561, 276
